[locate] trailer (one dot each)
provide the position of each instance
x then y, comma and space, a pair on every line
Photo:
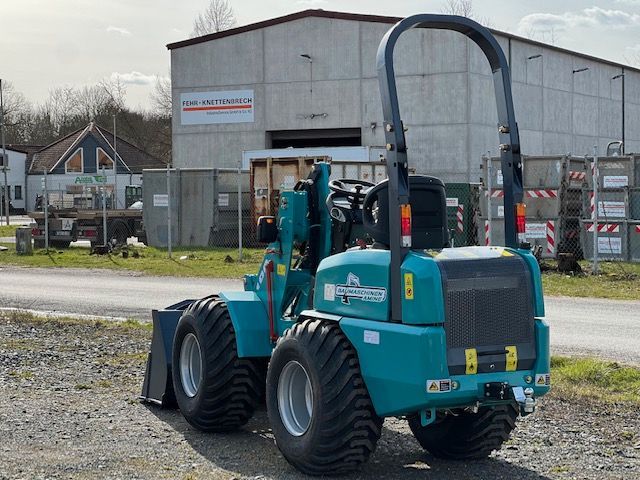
70, 225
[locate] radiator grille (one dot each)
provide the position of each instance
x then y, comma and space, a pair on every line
487, 302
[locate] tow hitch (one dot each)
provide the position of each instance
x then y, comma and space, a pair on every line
502, 391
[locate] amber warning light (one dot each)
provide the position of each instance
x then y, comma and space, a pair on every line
405, 224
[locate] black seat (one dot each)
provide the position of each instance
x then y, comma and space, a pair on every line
428, 213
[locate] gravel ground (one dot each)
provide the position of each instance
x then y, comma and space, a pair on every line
69, 409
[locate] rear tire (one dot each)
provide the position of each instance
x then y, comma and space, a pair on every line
319, 408
466, 436
216, 390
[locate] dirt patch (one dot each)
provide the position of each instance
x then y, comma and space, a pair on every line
69, 409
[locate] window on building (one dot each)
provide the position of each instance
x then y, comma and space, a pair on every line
104, 160
74, 164
17, 192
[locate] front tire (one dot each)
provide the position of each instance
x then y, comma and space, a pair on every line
216, 390
319, 408
468, 435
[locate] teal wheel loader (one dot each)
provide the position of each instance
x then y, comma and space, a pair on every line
361, 311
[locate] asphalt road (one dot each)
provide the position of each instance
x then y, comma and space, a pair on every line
605, 328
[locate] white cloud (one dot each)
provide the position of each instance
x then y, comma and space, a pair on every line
311, 3
134, 78
589, 17
119, 30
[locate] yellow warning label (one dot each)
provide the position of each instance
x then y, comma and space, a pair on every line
433, 386
506, 253
282, 270
512, 358
471, 359
408, 286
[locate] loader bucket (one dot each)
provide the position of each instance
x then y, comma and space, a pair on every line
158, 385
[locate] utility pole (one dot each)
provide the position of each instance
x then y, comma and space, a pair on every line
5, 163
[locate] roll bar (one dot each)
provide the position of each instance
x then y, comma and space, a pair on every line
397, 165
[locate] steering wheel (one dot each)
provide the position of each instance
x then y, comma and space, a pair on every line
350, 188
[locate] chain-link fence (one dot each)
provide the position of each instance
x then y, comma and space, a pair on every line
567, 212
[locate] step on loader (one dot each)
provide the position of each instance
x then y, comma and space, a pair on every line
361, 311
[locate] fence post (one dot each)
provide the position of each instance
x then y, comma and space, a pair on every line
104, 208
240, 210
169, 210
596, 179
46, 211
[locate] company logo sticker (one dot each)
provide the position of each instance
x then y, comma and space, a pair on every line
353, 290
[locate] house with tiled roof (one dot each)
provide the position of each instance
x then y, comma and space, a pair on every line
85, 160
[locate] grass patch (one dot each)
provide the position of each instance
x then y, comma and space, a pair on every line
17, 316
595, 379
617, 280
8, 230
205, 262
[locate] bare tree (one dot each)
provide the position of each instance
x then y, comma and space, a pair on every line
464, 8
161, 97
218, 16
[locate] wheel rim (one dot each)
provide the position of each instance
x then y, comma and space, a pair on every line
190, 365
295, 398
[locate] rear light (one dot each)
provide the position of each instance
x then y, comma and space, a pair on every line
521, 224
35, 232
90, 233
405, 224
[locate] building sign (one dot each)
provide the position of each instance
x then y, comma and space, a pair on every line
201, 108
160, 200
90, 179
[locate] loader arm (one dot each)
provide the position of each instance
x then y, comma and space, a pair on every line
397, 163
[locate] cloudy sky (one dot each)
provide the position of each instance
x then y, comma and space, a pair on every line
49, 43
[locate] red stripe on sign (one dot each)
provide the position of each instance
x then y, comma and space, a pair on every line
637, 228
220, 107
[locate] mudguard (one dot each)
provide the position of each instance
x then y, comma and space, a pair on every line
250, 322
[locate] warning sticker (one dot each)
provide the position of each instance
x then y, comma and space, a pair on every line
438, 386
471, 361
452, 202
543, 379
512, 358
281, 269
372, 337
408, 286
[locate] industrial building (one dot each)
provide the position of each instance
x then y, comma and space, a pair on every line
309, 79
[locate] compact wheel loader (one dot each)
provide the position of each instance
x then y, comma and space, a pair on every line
361, 311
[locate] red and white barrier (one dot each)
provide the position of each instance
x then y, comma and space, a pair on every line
604, 227
551, 237
487, 228
580, 176
592, 205
545, 193
535, 193
460, 218
637, 228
